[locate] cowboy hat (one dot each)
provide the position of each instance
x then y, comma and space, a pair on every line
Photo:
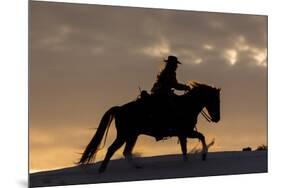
172, 59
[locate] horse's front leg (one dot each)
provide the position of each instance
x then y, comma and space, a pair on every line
183, 141
201, 137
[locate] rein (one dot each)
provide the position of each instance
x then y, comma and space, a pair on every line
206, 116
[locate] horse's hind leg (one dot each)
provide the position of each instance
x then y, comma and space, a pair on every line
183, 147
118, 142
201, 137
130, 143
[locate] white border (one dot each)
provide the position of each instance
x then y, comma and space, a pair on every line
13, 82
232, 6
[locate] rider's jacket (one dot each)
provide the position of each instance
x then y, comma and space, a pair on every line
166, 82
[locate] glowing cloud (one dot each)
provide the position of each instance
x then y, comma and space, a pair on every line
198, 61
231, 56
160, 49
241, 44
260, 55
208, 47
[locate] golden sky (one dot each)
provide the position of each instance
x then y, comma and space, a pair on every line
85, 59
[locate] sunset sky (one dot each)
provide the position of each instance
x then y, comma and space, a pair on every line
85, 59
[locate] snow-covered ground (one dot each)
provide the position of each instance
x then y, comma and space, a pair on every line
157, 167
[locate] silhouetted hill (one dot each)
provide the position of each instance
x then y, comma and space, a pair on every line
157, 167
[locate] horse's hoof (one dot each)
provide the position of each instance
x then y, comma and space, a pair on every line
185, 159
204, 157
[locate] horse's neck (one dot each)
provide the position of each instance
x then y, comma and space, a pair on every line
198, 108
195, 105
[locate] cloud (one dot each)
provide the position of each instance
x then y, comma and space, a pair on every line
152, 32
260, 55
160, 49
208, 47
231, 56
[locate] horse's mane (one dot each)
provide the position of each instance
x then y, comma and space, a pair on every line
195, 85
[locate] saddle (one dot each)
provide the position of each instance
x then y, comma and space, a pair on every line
159, 110
155, 104
159, 103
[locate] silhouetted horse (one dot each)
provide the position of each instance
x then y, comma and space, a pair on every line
133, 119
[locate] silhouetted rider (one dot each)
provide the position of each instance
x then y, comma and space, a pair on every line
163, 92
166, 79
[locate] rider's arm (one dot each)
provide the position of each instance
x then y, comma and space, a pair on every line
180, 86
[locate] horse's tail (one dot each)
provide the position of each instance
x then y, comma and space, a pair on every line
92, 147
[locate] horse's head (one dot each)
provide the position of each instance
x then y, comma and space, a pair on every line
210, 98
